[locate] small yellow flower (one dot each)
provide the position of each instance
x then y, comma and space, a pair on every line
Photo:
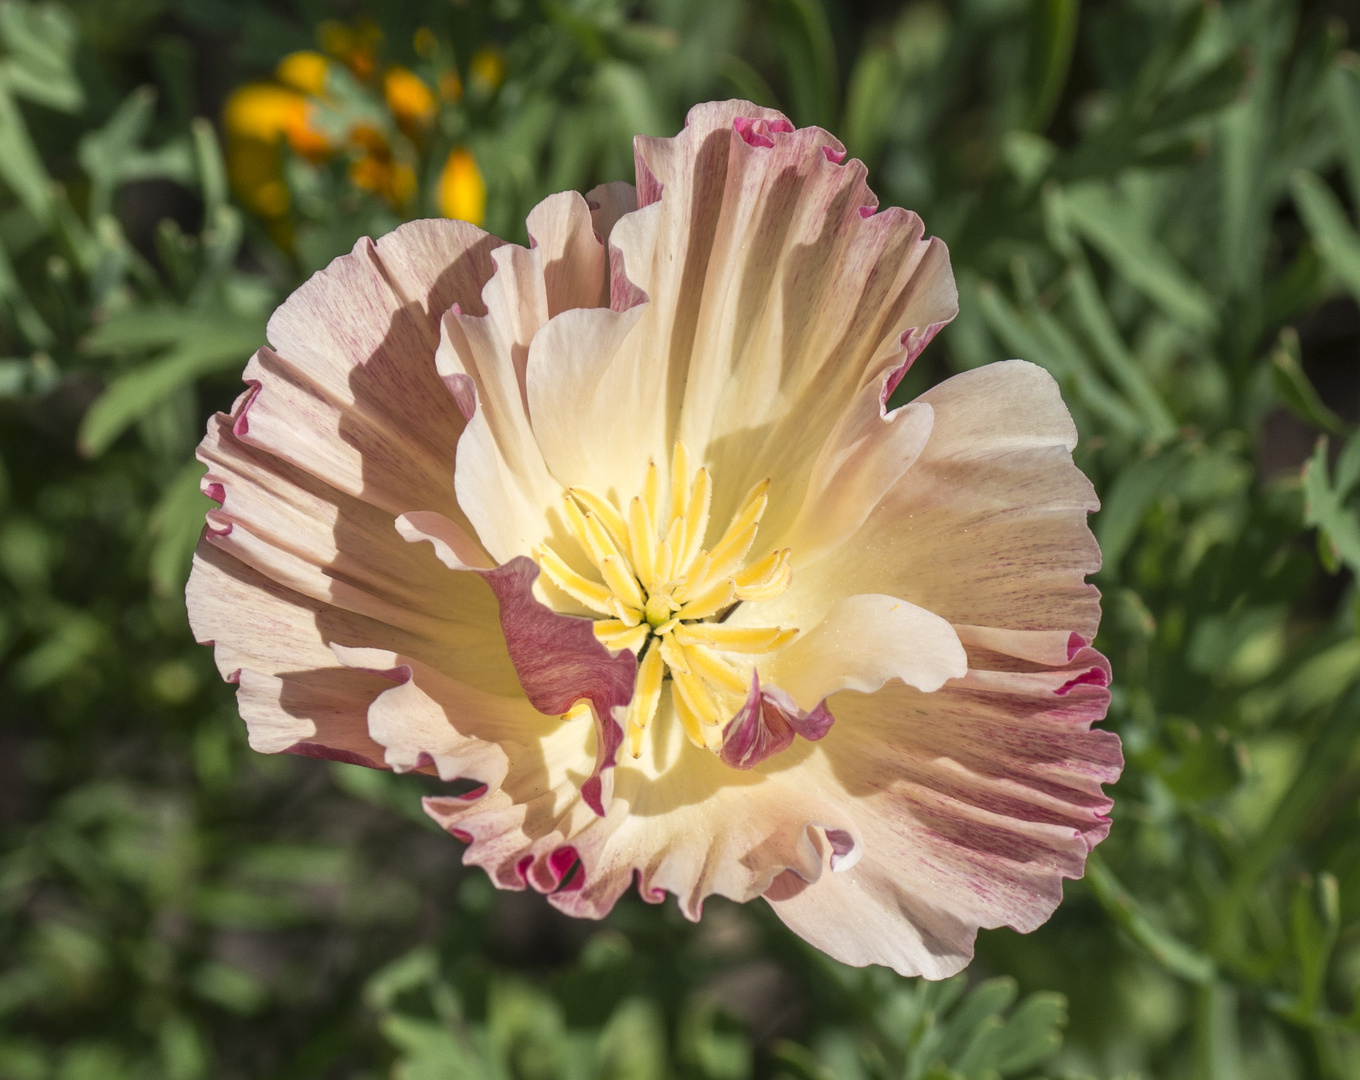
462, 191
269, 113
488, 69
410, 100
304, 71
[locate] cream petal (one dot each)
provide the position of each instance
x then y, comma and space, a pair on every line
988, 526
773, 298
428, 719
974, 803
586, 377
502, 482
690, 830
861, 643
864, 456
609, 202
452, 545
562, 229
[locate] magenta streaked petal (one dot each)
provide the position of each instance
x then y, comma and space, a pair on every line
766, 724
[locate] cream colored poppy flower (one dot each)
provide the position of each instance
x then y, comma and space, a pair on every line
618, 527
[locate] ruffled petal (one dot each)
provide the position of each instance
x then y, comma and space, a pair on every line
339, 431
974, 803
773, 299
766, 724
986, 528
503, 485
694, 829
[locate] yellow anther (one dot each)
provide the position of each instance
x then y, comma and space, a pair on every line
619, 577
604, 510
596, 597
698, 697
712, 601
696, 519
727, 556
646, 697
615, 635
679, 480
673, 654
675, 544
715, 670
599, 543
766, 579
693, 729
642, 539
621, 611
741, 639
752, 510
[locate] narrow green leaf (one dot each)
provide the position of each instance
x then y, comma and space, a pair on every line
1168, 950
175, 525
803, 37
1332, 234
1122, 365
1294, 388
1124, 506
1109, 224
1324, 507
20, 166
130, 397
1054, 38
212, 168
1344, 98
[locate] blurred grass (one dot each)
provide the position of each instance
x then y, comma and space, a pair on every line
1155, 199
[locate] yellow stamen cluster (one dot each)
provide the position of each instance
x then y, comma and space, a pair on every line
662, 594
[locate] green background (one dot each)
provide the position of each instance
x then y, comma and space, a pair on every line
1154, 199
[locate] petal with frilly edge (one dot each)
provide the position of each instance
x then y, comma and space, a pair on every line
557, 657
908, 673
974, 803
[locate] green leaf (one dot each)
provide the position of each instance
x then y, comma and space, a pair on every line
131, 396
175, 525
1292, 384
1112, 227
1325, 508
803, 38
1332, 234
41, 42
1124, 506
1054, 35
1344, 98
20, 166
1168, 950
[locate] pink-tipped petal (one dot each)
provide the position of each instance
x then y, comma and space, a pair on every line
767, 723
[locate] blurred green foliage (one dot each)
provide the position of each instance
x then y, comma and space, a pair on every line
1158, 200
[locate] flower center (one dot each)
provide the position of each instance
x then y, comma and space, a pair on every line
664, 596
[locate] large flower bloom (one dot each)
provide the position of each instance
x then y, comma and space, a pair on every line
619, 528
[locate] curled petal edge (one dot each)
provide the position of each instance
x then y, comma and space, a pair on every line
766, 724
558, 659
